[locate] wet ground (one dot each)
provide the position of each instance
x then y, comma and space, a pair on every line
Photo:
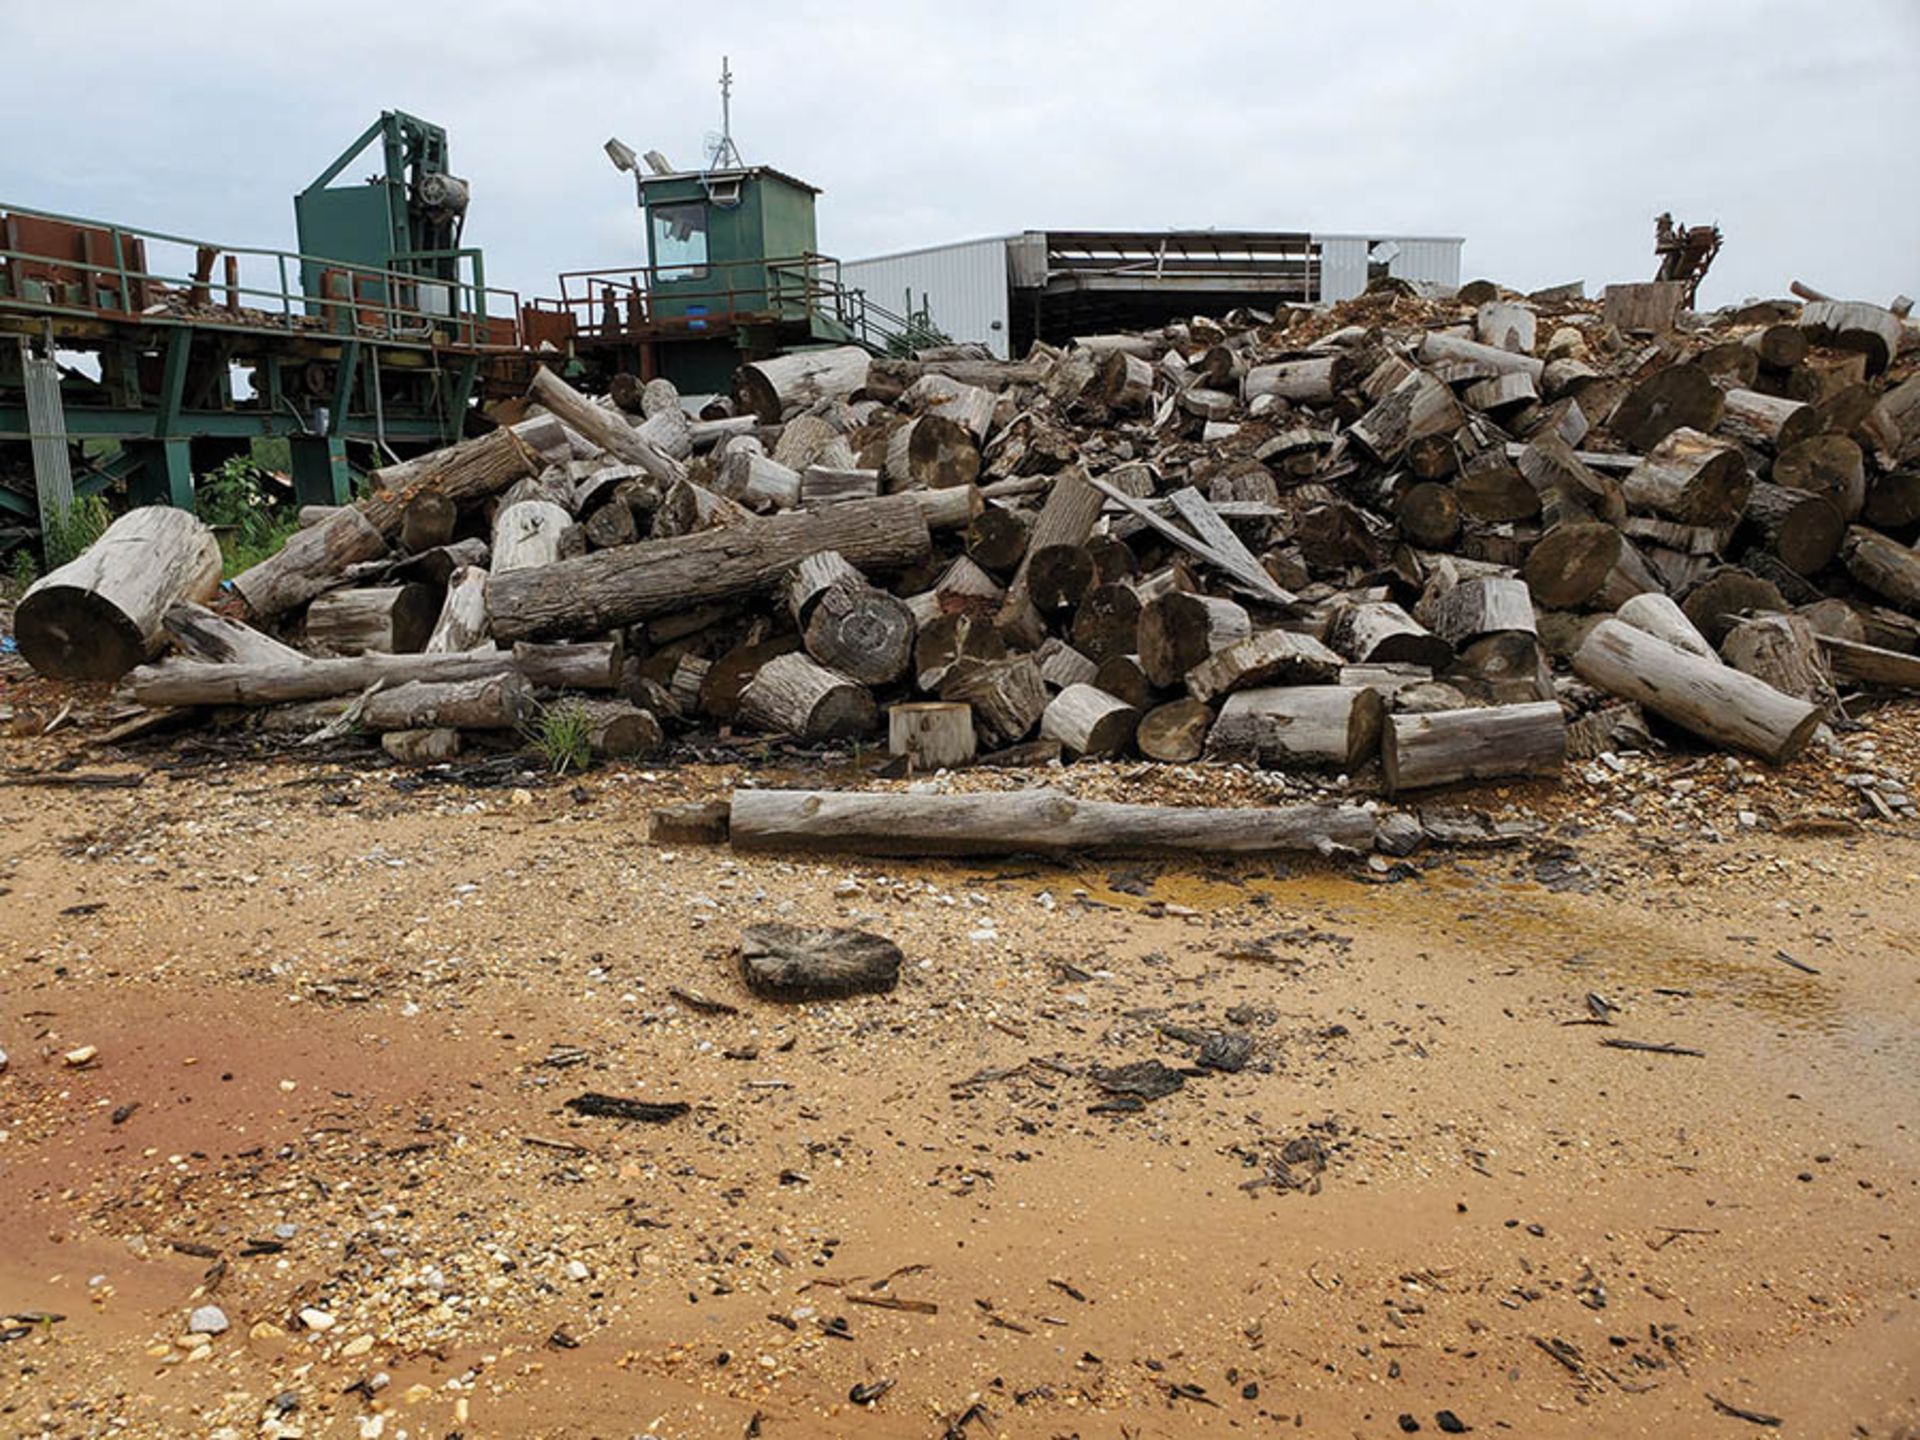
335, 1017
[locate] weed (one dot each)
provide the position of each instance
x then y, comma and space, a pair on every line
562, 735
66, 536
23, 572
231, 499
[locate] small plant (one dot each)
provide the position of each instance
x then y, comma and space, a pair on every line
67, 535
562, 735
251, 527
22, 573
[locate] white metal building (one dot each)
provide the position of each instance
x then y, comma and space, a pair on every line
1003, 290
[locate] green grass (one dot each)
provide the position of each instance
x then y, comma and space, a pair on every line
21, 573
232, 499
561, 735
66, 536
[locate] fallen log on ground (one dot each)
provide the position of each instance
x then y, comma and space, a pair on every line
191, 682
1498, 742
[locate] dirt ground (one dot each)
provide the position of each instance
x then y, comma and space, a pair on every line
327, 1014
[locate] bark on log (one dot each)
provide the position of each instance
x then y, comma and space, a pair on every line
1008, 696
1272, 657
1178, 630
1663, 402
188, 682
604, 427
769, 388
463, 614
726, 679
791, 695
464, 473
427, 522
620, 730
1854, 325
1419, 405
1318, 726
1029, 821
1091, 722
1692, 478
528, 535
1313, 381
1886, 567
758, 481
1123, 677
1661, 617
1061, 665
1072, 508
932, 735
1710, 699
687, 509
1779, 346
611, 588
1567, 486
964, 588
611, 525
101, 614
1828, 465
492, 702
1768, 422
862, 633
808, 438
1802, 529
582, 665
825, 485
1784, 651
392, 619
1438, 347
1871, 664
1379, 631
203, 635
1125, 383
1174, 733
1483, 606
1447, 746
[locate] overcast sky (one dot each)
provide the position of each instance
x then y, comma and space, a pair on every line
1547, 134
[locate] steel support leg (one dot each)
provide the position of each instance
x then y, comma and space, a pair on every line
321, 475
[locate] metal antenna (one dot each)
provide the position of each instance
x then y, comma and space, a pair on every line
726, 152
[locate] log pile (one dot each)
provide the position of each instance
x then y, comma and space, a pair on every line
1427, 535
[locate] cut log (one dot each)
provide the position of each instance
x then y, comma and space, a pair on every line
1586, 564
605, 427
964, 588
1645, 307
188, 682
581, 665
769, 388
427, 522
1502, 395
758, 481
1429, 515
1174, 733
1008, 696
1659, 615
1768, 422
953, 508
685, 683
1870, 664
1036, 821
620, 730
1433, 457
1705, 697
463, 613
203, 635
1780, 346
997, 539
1893, 500
792, 962
823, 485
727, 678
1827, 465
610, 588
1091, 722
1058, 577
1123, 677
1728, 592
791, 695
1437, 347
862, 633
1857, 326
807, 438
1125, 383
932, 735
1419, 405
969, 406
1272, 657
492, 702
312, 561
1802, 529
1178, 630
612, 524
1483, 606
1505, 326
1567, 487
1692, 478
1886, 567
101, 614
1506, 667
421, 747
1896, 419
1061, 665
946, 640
527, 536
391, 619
1107, 622
1068, 517
1314, 381
1784, 651
1494, 743
1379, 631
1317, 726
1663, 402
687, 508
1491, 489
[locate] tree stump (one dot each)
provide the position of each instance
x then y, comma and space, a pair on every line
932, 735
793, 962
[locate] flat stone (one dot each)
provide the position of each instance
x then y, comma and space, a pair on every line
207, 1320
316, 1319
795, 962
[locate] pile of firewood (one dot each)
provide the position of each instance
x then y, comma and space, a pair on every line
1466, 536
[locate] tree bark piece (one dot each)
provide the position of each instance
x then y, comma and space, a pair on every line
1038, 821
791, 695
932, 735
1379, 631
393, 619
1318, 726
769, 388
1802, 529
1268, 658
793, 962
1692, 478
101, 614
463, 613
825, 485
1175, 733
606, 428
204, 635
1178, 630
1660, 616
1008, 696
1447, 746
582, 665
492, 702
1091, 722
1886, 567
611, 588
1712, 700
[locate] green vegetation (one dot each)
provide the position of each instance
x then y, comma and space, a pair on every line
22, 572
561, 735
67, 535
233, 501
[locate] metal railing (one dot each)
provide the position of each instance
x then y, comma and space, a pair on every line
62, 265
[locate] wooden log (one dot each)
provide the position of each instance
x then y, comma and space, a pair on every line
932, 735
1692, 478
490, 702
1271, 657
825, 485
464, 473
189, 682
1567, 487
620, 730
427, 522
1008, 696
964, 588
1419, 405
1587, 563
971, 407
1646, 307
1660, 616
792, 695
1061, 665
1483, 606
1802, 529
202, 634
1505, 667
1315, 380
1379, 631
687, 508
462, 623
946, 640
1784, 651
1438, 346
1893, 500
997, 538
1767, 422
1502, 396
101, 614
759, 482
860, 632
1730, 363
1870, 664
1827, 465
1663, 402
527, 536
1123, 677
1114, 561
1175, 733
1490, 488
1429, 515
1058, 577
1089, 722
769, 388
1886, 567
1854, 325
1316, 726
1896, 420
727, 678
1506, 325
1107, 622
1178, 630
605, 427
1778, 346
611, 588
1038, 821
1709, 699
1493, 743
580, 665
308, 515
611, 524
806, 439
1124, 383
952, 508
1728, 592
392, 619
421, 747
1068, 517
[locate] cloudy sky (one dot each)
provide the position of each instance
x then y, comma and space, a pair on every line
1548, 134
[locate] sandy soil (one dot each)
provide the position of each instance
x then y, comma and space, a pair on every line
336, 1012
